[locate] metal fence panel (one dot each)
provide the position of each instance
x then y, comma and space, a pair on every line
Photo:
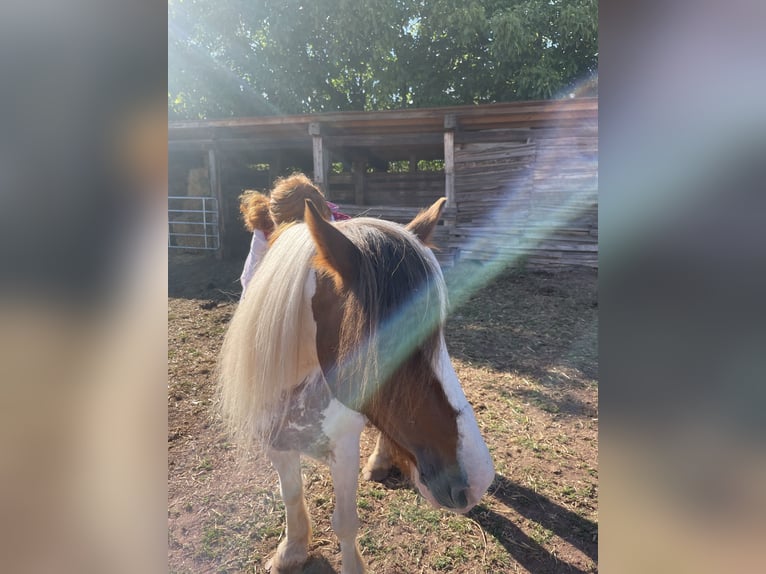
193, 223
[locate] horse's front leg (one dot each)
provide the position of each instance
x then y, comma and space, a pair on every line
293, 550
344, 467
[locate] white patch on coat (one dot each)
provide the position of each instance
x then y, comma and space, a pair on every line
472, 452
339, 421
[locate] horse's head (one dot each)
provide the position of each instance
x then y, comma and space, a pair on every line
380, 306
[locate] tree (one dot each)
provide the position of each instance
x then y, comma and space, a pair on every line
254, 57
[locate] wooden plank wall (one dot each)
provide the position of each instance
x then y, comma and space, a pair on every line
403, 215
530, 196
416, 189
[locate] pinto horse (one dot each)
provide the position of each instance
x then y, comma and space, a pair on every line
343, 325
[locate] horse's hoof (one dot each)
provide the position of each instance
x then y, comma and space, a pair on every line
272, 566
280, 569
377, 474
282, 562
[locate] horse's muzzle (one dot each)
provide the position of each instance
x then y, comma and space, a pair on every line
448, 486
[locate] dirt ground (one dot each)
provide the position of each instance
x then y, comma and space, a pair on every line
525, 349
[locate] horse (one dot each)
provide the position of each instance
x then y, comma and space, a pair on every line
342, 325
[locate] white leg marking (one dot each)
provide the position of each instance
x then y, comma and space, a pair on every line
345, 521
344, 427
380, 462
293, 550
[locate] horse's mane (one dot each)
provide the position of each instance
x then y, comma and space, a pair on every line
270, 344
397, 306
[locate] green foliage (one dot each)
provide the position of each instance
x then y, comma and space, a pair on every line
431, 165
402, 166
254, 57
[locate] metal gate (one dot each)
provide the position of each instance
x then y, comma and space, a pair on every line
193, 222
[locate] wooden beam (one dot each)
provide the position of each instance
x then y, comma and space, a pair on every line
275, 167
450, 123
515, 111
320, 177
215, 191
256, 143
327, 171
358, 170
384, 140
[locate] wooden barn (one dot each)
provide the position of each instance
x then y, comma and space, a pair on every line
521, 179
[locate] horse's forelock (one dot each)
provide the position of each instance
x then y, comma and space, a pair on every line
400, 290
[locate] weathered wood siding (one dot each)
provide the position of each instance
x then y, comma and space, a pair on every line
528, 194
533, 196
409, 189
403, 215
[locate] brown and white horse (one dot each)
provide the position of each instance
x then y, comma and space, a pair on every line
343, 324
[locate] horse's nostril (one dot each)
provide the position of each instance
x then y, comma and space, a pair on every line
459, 496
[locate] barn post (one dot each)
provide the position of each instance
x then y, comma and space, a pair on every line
358, 169
320, 159
450, 124
275, 167
413, 167
214, 177
327, 170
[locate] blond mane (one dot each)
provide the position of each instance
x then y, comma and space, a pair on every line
270, 344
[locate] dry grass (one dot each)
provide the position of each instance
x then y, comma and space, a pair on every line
525, 350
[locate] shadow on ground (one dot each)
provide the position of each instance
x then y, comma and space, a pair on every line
317, 564
506, 326
575, 529
202, 276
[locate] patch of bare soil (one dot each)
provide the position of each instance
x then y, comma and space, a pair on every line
524, 347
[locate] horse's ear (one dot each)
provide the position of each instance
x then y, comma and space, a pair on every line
336, 254
425, 222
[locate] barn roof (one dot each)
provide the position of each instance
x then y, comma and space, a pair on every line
411, 127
